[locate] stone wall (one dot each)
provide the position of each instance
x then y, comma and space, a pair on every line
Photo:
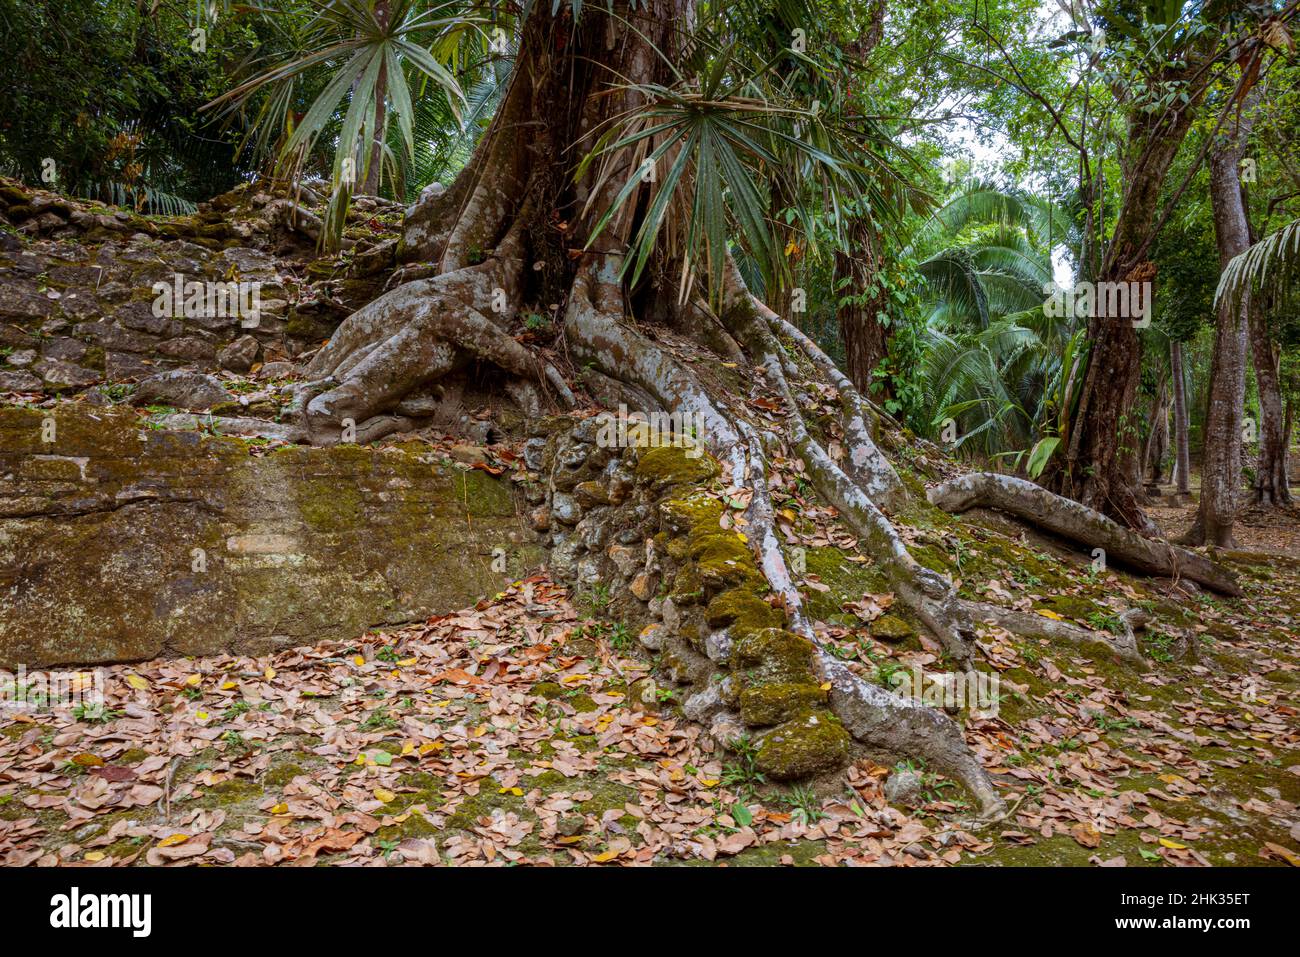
638, 524
119, 542
76, 291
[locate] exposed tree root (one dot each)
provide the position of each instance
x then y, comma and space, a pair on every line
1031, 625
874, 716
410, 337
1078, 523
866, 463
299, 219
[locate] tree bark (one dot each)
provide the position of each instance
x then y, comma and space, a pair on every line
1221, 462
1182, 457
1157, 445
865, 337
371, 186
1271, 480
1100, 443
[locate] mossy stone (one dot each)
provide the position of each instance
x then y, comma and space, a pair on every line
775, 655
669, 465
769, 704
742, 611
813, 743
680, 514
891, 628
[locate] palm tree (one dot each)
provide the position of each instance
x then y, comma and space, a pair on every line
1269, 264
366, 56
993, 355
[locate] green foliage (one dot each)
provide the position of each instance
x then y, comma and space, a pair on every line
370, 55
110, 91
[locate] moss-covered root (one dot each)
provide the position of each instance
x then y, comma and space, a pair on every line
1078, 523
872, 714
1031, 625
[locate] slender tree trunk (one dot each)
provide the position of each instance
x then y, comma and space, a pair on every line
1182, 452
371, 186
1157, 446
1221, 462
1271, 481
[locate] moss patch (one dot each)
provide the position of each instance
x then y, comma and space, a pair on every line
812, 744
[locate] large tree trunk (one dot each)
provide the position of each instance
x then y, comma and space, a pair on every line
1221, 461
865, 337
1182, 451
1101, 442
1271, 481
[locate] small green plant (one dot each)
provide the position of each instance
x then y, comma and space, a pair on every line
885, 672
743, 773
1104, 622
806, 807
95, 713
388, 653
378, 720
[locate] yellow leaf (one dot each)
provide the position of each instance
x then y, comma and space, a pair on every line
1046, 613
87, 760
193, 680
269, 673
709, 782
788, 513
431, 746
385, 795
826, 686
1289, 856
280, 808
1172, 845
95, 856
173, 839
229, 686
201, 715
408, 747
359, 661
517, 792
407, 662
136, 682
606, 856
